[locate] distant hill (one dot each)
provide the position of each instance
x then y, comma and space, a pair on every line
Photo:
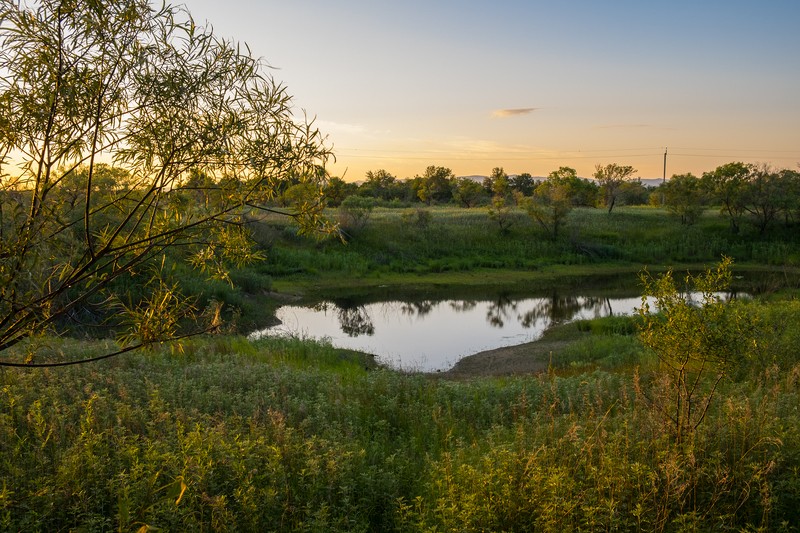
651, 182
475, 178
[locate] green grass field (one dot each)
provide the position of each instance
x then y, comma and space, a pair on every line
465, 240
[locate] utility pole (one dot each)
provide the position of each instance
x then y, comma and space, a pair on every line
664, 176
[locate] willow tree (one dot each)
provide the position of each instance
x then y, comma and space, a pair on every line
87, 85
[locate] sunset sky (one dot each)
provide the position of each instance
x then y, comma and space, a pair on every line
531, 86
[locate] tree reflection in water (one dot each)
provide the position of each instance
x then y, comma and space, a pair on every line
556, 309
354, 320
462, 306
420, 308
500, 310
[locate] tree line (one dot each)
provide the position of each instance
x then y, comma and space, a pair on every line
439, 185
758, 195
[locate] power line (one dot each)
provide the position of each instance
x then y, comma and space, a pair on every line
534, 157
579, 154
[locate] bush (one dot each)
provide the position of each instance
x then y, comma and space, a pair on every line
354, 213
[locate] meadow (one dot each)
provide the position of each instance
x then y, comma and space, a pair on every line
277, 435
451, 239
221, 433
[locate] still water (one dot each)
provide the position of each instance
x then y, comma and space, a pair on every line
428, 335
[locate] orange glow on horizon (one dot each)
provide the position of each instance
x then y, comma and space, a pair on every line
648, 163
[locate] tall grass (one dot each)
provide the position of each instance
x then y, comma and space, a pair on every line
456, 239
287, 434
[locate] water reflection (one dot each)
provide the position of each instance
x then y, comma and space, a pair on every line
418, 308
433, 334
500, 310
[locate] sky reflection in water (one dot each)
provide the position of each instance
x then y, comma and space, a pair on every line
433, 335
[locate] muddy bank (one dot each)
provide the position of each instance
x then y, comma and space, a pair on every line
528, 358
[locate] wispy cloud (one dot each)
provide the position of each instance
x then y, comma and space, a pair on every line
623, 126
505, 113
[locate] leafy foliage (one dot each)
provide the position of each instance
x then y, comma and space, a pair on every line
552, 200
611, 178
684, 197
698, 344
436, 185
500, 213
198, 136
468, 192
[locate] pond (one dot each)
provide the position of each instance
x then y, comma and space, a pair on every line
431, 335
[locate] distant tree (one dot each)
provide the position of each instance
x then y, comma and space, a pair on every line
336, 190
727, 185
378, 184
489, 181
565, 176
550, 204
634, 192
566, 179
765, 199
611, 177
584, 193
165, 100
755, 193
468, 192
417, 187
302, 194
581, 192
501, 214
436, 185
549, 208
522, 183
404, 191
684, 197
790, 195
501, 186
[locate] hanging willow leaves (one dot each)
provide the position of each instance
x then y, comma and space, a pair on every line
110, 112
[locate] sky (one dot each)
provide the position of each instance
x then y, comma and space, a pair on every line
531, 86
